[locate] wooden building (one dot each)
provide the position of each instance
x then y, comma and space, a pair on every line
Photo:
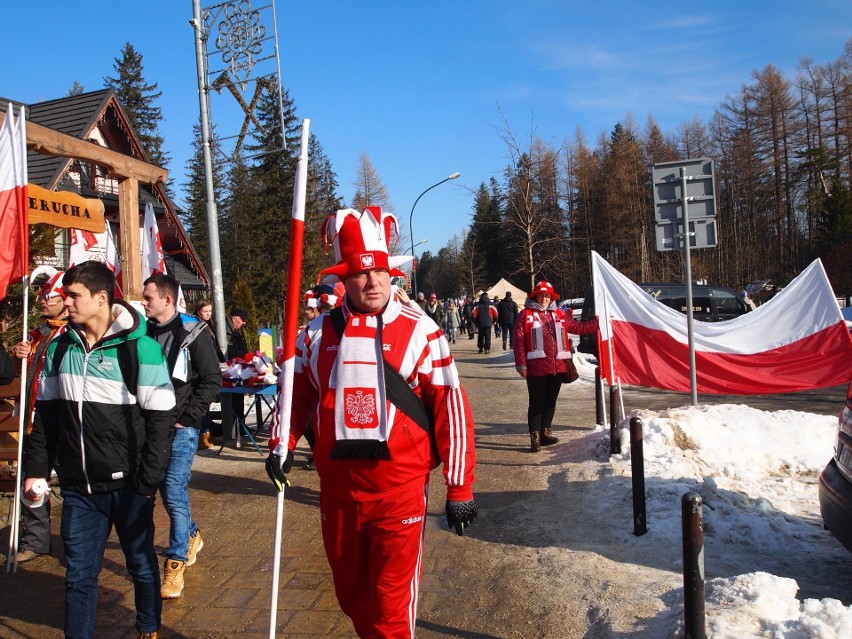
99, 118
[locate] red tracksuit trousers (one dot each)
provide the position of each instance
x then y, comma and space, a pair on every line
375, 550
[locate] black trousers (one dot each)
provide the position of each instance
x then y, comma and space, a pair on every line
506, 331
484, 341
543, 392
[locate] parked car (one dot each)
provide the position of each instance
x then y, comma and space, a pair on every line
573, 305
709, 304
835, 482
846, 311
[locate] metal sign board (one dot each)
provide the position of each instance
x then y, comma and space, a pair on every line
668, 189
702, 234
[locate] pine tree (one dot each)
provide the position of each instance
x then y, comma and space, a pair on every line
138, 99
322, 201
261, 203
484, 244
195, 190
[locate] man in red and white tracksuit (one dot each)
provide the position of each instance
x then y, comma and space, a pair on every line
373, 459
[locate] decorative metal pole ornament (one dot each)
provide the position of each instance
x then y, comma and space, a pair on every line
240, 39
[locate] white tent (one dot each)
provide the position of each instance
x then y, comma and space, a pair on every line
500, 288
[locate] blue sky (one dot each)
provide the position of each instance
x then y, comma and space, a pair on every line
423, 88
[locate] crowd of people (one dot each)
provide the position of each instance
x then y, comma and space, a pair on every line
376, 394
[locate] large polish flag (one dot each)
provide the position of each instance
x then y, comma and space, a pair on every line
14, 249
796, 341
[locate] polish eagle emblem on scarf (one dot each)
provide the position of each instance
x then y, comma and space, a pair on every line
361, 409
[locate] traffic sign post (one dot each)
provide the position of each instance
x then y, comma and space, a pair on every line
670, 204
685, 211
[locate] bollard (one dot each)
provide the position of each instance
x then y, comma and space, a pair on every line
693, 566
637, 468
600, 420
614, 440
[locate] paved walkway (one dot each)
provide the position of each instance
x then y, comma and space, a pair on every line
474, 587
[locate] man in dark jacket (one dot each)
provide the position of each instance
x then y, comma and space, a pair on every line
194, 366
484, 315
237, 347
467, 317
111, 438
507, 313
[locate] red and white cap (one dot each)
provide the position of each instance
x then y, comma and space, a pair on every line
361, 242
546, 288
53, 285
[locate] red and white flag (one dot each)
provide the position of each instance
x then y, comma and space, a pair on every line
796, 341
14, 248
152, 253
81, 242
114, 262
152, 248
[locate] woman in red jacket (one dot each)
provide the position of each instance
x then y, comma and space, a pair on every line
542, 352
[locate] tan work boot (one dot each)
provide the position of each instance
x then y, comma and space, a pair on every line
205, 441
148, 635
195, 544
172, 579
535, 442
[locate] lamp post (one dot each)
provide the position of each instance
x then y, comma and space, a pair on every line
414, 264
452, 176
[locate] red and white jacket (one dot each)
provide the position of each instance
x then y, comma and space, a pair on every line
413, 345
540, 342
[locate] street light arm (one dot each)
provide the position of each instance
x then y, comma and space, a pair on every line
452, 176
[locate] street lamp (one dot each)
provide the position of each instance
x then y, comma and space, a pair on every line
411, 228
414, 263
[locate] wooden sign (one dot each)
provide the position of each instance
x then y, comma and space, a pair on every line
65, 210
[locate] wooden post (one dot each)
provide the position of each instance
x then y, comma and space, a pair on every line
128, 212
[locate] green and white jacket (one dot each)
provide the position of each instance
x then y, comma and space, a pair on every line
98, 435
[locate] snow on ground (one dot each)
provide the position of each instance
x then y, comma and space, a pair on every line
757, 473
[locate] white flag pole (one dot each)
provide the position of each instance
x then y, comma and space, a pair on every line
23, 410
19, 146
291, 317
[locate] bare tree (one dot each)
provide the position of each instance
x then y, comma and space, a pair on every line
370, 190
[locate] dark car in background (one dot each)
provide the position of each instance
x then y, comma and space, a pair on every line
835, 482
709, 304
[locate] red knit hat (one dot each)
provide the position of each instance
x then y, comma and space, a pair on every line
361, 242
546, 288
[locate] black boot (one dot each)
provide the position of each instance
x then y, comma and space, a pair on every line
535, 443
547, 438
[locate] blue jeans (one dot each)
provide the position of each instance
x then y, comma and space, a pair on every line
86, 524
175, 492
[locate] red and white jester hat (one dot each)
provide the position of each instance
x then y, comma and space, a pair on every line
361, 242
53, 285
544, 287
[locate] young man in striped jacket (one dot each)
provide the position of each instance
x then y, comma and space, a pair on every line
104, 417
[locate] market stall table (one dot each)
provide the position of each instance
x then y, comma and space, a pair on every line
267, 393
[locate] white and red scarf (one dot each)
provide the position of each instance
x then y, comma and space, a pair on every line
361, 422
536, 322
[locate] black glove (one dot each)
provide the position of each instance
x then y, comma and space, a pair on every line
277, 470
460, 514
